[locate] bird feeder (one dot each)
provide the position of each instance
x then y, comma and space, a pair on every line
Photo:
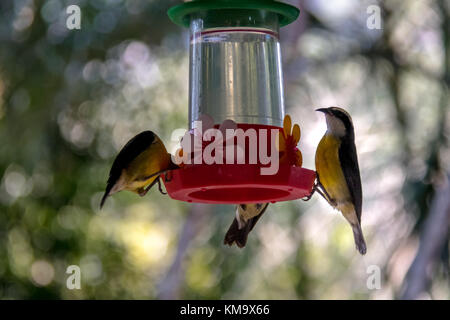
236, 74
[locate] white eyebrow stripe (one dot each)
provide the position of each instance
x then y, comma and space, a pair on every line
343, 111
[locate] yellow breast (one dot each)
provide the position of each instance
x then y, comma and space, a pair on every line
329, 170
152, 160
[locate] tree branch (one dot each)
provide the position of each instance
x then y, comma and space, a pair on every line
434, 235
170, 286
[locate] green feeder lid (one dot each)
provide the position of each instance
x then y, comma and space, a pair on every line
179, 14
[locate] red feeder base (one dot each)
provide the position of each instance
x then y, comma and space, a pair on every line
238, 183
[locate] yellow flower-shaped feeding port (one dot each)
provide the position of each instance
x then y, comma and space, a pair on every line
287, 143
179, 155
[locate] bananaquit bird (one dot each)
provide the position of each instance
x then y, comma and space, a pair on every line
246, 217
338, 178
139, 164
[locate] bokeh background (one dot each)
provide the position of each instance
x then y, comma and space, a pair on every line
70, 99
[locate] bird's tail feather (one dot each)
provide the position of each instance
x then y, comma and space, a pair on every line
359, 239
239, 236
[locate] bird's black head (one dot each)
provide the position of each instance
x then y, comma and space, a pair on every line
339, 121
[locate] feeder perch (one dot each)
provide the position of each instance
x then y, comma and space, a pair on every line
236, 74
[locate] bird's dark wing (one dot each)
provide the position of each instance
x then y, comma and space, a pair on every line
129, 152
239, 236
254, 220
349, 163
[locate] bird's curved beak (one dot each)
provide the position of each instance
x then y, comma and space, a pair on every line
324, 110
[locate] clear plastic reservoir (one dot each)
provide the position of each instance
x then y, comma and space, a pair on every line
235, 68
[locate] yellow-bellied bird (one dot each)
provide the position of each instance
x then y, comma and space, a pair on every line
138, 165
246, 217
338, 177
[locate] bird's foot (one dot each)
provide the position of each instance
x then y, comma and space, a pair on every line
307, 198
166, 176
159, 187
314, 188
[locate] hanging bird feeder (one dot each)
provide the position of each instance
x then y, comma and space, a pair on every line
236, 81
